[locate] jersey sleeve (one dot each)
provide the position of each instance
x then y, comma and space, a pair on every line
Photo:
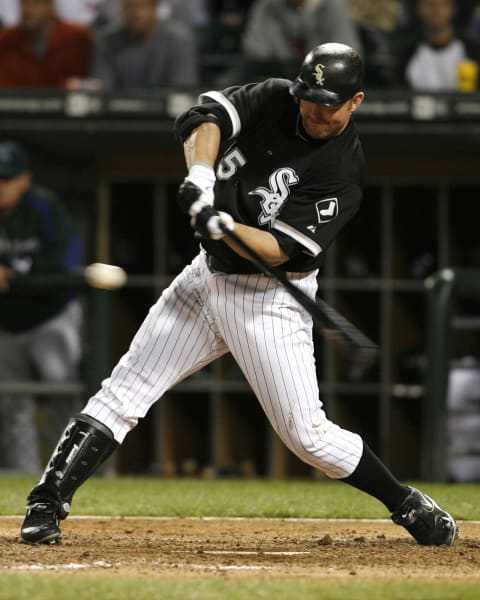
311, 219
245, 105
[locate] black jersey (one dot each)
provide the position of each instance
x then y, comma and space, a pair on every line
271, 175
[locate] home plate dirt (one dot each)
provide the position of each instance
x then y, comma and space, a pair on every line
272, 548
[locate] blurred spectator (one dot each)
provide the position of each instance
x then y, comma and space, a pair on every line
40, 333
145, 51
272, 37
374, 22
284, 30
43, 51
436, 55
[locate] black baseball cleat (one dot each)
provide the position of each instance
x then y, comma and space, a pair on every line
425, 520
41, 523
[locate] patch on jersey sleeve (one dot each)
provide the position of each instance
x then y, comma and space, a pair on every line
327, 209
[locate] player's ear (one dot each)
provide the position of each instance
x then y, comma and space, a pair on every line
357, 99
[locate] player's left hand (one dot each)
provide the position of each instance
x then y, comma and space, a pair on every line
208, 222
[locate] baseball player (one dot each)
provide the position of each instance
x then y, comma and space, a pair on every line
280, 163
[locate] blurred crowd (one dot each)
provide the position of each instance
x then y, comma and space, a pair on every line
118, 44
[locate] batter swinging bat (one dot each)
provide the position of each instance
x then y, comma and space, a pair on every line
330, 323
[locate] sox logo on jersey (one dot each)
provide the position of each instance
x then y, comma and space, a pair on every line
274, 198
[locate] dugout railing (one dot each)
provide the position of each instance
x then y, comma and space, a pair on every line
443, 288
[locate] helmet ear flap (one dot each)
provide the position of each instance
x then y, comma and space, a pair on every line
330, 74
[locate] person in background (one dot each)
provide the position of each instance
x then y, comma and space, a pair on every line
40, 330
43, 51
375, 21
145, 51
282, 30
430, 59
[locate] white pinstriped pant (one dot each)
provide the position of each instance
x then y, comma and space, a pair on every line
203, 315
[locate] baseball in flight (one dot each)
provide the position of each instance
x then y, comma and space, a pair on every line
105, 277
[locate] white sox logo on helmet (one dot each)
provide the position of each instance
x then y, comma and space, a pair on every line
318, 73
273, 199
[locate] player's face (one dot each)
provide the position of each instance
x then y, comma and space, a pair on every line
324, 122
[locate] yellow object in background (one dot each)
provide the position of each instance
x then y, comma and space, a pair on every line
467, 76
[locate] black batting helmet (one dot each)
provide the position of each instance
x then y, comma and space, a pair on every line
330, 74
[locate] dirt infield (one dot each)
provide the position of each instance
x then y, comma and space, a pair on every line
238, 547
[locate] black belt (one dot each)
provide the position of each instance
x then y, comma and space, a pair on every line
216, 265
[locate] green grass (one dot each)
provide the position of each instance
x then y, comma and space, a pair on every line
261, 498
246, 498
83, 587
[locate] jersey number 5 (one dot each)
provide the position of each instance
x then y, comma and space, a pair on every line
230, 163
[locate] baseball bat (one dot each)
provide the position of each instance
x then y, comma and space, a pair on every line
331, 324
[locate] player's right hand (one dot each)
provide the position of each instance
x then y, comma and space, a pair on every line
208, 223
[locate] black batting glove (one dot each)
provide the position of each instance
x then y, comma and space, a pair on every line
207, 223
196, 190
189, 195
195, 197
